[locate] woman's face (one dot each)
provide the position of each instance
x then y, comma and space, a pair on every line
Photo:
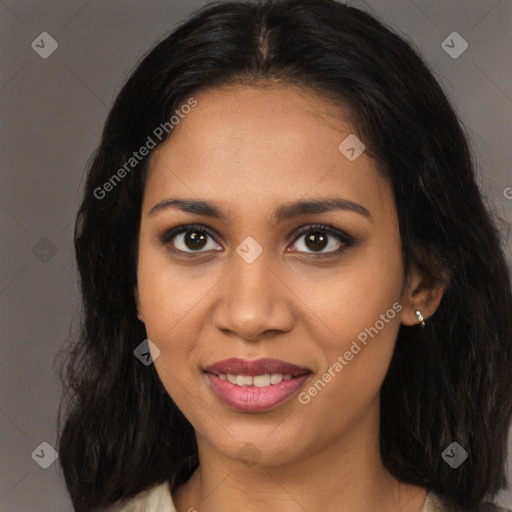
263, 285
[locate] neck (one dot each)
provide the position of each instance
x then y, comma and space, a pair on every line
346, 475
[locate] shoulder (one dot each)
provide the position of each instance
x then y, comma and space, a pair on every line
155, 499
436, 503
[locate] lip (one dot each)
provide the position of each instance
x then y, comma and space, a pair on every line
258, 367
252, 398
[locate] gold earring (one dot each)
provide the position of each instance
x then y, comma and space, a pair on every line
420, 318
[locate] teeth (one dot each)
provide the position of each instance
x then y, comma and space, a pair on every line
244, 380
276, 378
259, 381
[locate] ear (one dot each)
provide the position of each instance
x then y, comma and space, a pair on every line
420, 294
140, 316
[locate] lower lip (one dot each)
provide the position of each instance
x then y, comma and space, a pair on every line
251, 398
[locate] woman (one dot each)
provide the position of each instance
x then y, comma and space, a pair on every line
294, 295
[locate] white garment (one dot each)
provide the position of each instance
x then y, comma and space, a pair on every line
158, 499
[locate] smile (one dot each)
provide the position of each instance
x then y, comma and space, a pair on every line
255, 386
259, 381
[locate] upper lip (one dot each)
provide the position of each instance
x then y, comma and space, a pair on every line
237, 366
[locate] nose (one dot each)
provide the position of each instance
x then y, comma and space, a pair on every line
253, 300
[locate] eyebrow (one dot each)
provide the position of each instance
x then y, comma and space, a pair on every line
281, 213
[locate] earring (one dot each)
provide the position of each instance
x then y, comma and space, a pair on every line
420, 318
139, 314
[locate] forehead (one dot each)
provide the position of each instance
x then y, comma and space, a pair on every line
246, 146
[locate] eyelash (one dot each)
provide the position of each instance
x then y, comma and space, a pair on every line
345, 239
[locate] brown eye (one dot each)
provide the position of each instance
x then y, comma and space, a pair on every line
319, 237
189, 239
194, 239
316, 240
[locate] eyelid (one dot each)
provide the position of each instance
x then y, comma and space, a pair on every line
331, 230
169, 234
343, 237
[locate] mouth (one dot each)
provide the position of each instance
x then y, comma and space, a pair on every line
256, 368
254, 386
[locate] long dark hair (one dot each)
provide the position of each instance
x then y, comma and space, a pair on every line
120, 432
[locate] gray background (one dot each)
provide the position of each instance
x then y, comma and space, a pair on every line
52, 114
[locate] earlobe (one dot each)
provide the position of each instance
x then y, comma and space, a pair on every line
421, 320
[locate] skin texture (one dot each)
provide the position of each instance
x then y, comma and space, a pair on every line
250, 149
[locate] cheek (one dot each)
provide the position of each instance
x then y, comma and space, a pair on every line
357, 311
352, 296
171, 295
174, 298
355, 366
177, 364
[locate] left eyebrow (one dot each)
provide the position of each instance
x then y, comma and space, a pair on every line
321, 205
281, 213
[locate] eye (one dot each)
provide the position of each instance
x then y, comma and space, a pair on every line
192, 238
319, 237
189, 239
